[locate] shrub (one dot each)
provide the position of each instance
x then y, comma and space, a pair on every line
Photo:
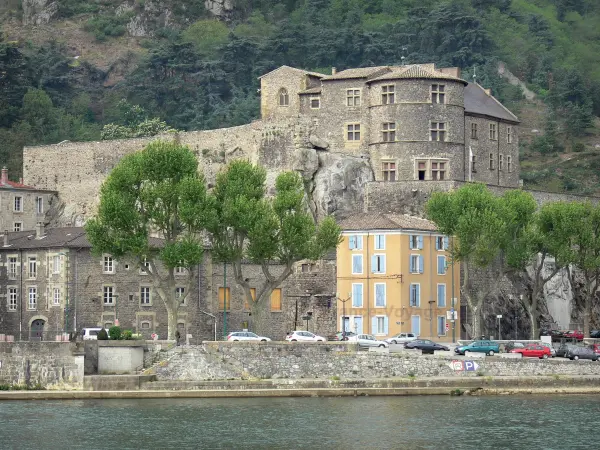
102, 335
115, 333
127, 335
579, 147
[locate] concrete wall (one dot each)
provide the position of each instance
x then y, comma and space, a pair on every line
118, 357
54, 365
283, 360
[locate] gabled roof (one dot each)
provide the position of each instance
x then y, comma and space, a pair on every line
414, 72
64, 237
300, 71
373, 221
478, 102
20, 186
361, 72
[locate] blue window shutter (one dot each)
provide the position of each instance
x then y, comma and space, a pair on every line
359, 242
446, 243
441, 295
437, 244
374, 325
352, 242
383, 264
412, 295
420, 242
418, 295
440, 264
410, 263
373, 264
421, 264
385, 325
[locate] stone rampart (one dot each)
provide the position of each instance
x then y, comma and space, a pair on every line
224, 360
53, 365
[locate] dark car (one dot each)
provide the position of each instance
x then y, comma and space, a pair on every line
582, 353
425, 345
487, 347
339, 336
574, 334
595, 334
563, 349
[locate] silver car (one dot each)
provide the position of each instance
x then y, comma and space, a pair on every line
367, 340
402, 338
245, 336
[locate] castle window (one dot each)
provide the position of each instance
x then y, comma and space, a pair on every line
473, 131
145, 295
437, 131
438, 170
352, 97
109, 266
39, 205
509, 135
389, 132
388, 171
501, 162
18, 204
17, 226
315, 103
438, 94
353, 131
491, 161
284, 98
493, 132
473, 164
387, 94
509, 163
108, 295
180, 294
421, 170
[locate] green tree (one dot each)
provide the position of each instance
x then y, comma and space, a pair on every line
39, 114
206, 36
278, 230
474, 217
155, 191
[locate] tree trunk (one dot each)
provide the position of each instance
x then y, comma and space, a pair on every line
476, 320
587, 313
172, 320
260, 320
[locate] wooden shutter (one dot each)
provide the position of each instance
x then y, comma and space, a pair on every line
222, 298
276, 300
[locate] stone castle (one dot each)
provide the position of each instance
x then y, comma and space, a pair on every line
377, 139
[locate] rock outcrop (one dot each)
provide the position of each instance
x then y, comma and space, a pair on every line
39, 12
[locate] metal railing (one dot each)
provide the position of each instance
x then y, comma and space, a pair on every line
38, 336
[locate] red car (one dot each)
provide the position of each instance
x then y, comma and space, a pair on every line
534, 351
574, 334
596, 348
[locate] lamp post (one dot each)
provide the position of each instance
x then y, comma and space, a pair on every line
453, 304
431, 302
343, 300
224, 300
116, 304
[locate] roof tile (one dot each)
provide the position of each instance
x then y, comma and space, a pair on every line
370, 221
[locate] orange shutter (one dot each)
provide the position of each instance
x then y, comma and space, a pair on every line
276, 300
221, 299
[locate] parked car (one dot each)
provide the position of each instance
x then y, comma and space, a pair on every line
595, 334
552, 349
90, 334
574, 334
304, 336
582, 353
563, 349
596, 348
513, 345
339, 336
367, 340
487, 347
245, 336
401, 338
534, 351
425, 345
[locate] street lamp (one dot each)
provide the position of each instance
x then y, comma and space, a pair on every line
343, 311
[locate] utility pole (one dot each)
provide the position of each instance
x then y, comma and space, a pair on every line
343, 300
224, 301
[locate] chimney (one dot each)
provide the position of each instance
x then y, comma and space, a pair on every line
21, 180
333, 70
6, 238
4, 175
39, 230
488, 91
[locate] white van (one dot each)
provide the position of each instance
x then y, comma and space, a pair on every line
90, 334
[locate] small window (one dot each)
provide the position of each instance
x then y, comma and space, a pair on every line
441, 265
109, 266
305, 268
473, 131
441, 295
388, 94
145, 295
421, 170
509, 163
56, 296
315, 102
32, 266
380, 295
32, 304
353, 131
501, 162
493, 132
415, 297
145, 325
380, 322
145, 267
12, 299
438, 170
284, 98
108, 295
276, 300
357, 264
416, 242
39, 205
509, 135
12, 267
416, 264
437, 131
473, 167
389, 132
378, 264
222, 302
180, 270
56, 266
438, 93
388, 171
18, 204
355, 242
441, 326
18, 226
441, 243
491, 161
380, 242
357, 295
352, 97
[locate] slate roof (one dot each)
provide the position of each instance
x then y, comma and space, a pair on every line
306, 72
371, 221
315, 90
414, 72
477, 101
14, 185
65, 237
361, 72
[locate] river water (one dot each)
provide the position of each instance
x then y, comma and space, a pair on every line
435, 422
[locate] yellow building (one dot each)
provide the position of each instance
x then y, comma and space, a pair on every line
394, 275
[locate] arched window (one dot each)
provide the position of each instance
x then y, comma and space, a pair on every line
284, 98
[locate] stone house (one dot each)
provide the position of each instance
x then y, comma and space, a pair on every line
50, 284
21, 206
395, 275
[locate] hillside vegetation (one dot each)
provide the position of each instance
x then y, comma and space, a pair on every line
65, 77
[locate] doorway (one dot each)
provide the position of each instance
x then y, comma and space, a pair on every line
37, 330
